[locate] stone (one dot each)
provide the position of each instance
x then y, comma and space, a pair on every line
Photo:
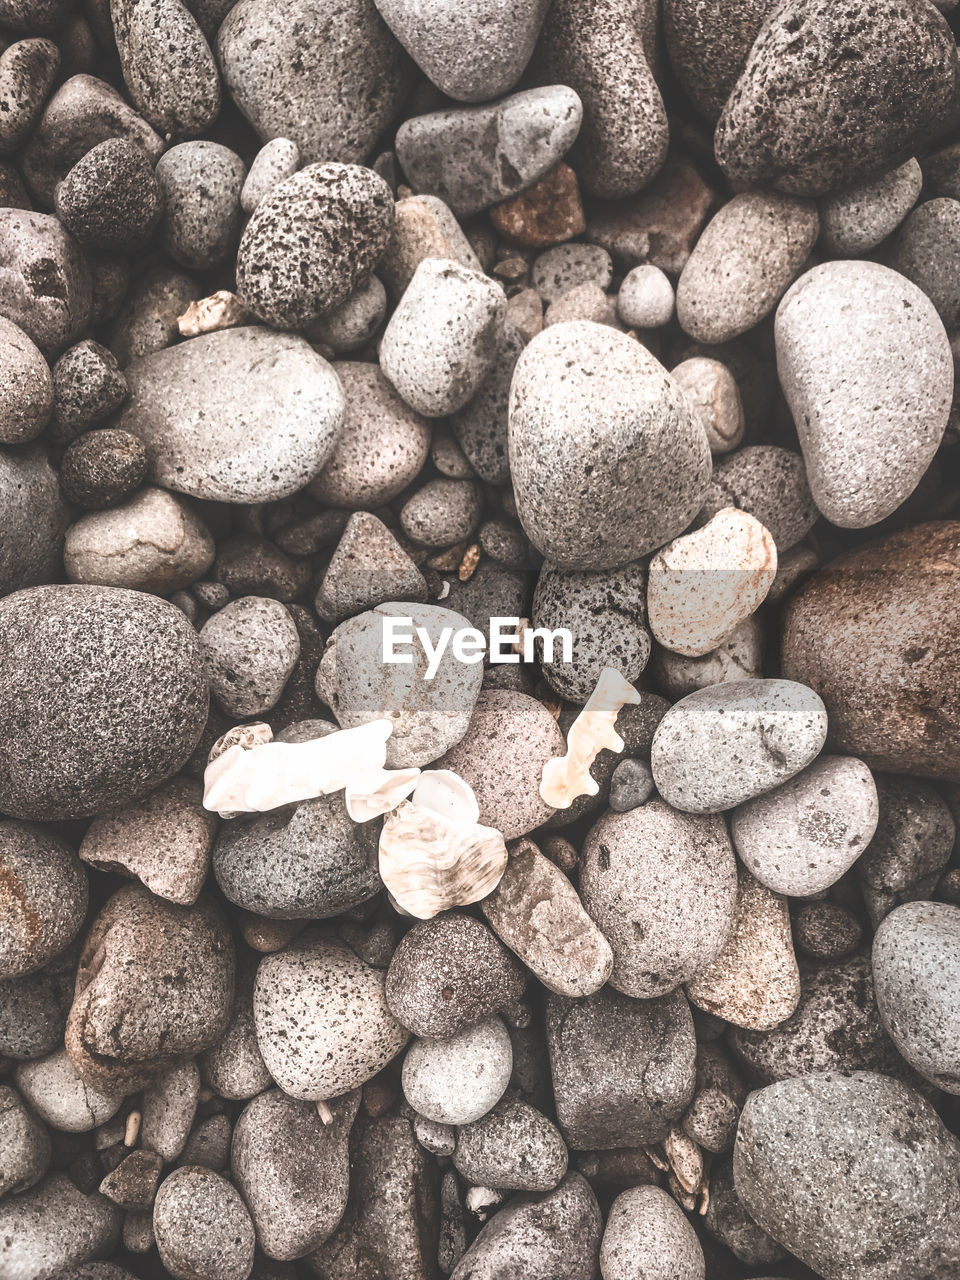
33, 1011
44, 279
234, 1067
35, 517
460, 1078
164, 840
276, 160
708, 46
712, 390
739, 656
270, 408
368, 567
729, 1222
428, 717
555, 1236
631, 785
61, 1098
754, 981
856, 220
105, 698
481, 426
118, 1034
853, 1173
148, 322
913, 841
443, 512
474, 157
101, 468
923, 251
800, 838
916, 973
26, 1144
110, 199
771, 484
167, 66
711, 1119
826, 930
807, 123
133, 1184
323, 1025
423, 227
870, 414
645, 299
331, 78
311, 240
88, 387
250, 648
470, 52
169, 1105
43, 899
26, 386
634, 466
513, 1147
152, 542
293, 1170
603, 51
46, 1231
582, 302
891, 691
209, 1144
661, 886
743, 263
28, 69
728, 743
556, 271
200, 184
352, 323
546, 213
443, 337
648, 1234
202, 1227
450, 973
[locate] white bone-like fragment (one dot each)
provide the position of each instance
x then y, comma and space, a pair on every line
222, 310
271, 774
431, 863
568, 776
373, 792
446, 793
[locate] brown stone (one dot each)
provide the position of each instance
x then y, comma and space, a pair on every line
875, 633
133, 1184
549, 212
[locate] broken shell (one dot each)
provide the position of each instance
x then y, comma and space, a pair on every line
222, 310
270, 774
241, 735
566, 777
686, 1159
446, 793
376, 791
431, 863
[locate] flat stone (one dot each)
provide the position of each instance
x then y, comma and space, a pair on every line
423, 227
35, 518
169, 1106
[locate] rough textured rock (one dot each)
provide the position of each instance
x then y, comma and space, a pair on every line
910, 848
44, 279
167, 65
771, 484
28, 69
61, 1098
648, 1234
708, 44
26, 1144
26, 386
43, 898
35, 518
53, 1227
512, 1147
202, 1227
856, 220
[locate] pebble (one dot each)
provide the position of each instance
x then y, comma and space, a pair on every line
167, 65
725, 744
448, 974
101, 468
916, 970
26, 386
554, 1236
52, 1087
729, 1222
558, 270
323, 1025
148, 321
234, 1068
631, 785
88, 386
37, 253
460, 1078
826, 930
311, 240
26, 1144
853, 1173
164, 841
470, 52
645, 299
28, 69
547, 213
473, 157
443, 337
634, 465
809, 125
209, 1144
53, 1227
739, 656
648, 1234
442, 512
200, 185
746, 258
428, 717
382, 447
912, 845
330, 78
712, 391
705, 584
250, 648
887, 689
582, 302
202, 1227
111, 199
924, 252
43, 900
423, 227
169, 1105
276, 160
661, 886
481, 426
33, 1010
708, 46
292, 1170
35, 517
128, 716
623, 1070
352, 324
118, 1034
438, 1139
800, 838
270, 408
368, 567
623, 140
133, 1184
768, 482
711, 1119
513, 1147
856, 220
249, 565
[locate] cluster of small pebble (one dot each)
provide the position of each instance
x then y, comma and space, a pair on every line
637, 318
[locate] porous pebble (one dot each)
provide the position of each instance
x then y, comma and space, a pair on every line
202, 1226
54, 1226
856, 220
111, 199
26, 1144
200, 186
44, 279
912, 843
512, 1147
768, 482
250, 648
101, 468
88, 385
44, 897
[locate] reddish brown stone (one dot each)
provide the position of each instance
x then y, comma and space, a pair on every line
547, 213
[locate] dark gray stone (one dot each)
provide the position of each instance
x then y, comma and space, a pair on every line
35, 518
769, 483
110, 199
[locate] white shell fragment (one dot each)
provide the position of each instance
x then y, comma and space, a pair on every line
566, 777
376, 791
430, 862
446, 793
222, 310
267, 775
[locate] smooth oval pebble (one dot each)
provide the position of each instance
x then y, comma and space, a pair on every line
167, 65
856, 220
457, 1080
512, 1147
200, 186
725, 744
43, 898
647, 1234
202, 1227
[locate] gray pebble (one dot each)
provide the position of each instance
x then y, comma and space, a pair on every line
473, 157
233, 1067
133, 1183
148, 320
583, 302
209, 1144
708, 45
270, 409
634, 465
449, 459
514, 1147
28, 69
647, 1234
44, 901
645, 299
26, 386
747, 256
711, 1119
769, 483
481, 425
912, 844
925, 251
46, 1231
503, 541
729, 1222
88, 386
25, 1142
558, 270
276, 160
460, 1078
424, 227
35, 517
33, 1011
351, 324
61, 1098
167, 66
368, 567
727, 743
311, 240
856, 220
169, 1105
250, 648
442, 512
36, 247
826, 930
200, 184
738, 657
916, 969
631, 785
712, 390
323, 1024
111, 199
202, 1227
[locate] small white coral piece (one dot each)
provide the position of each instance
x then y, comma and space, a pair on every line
568, 776
222, 310
431, 863
376, 791
446, 793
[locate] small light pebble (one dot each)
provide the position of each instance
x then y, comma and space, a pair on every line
854, 221
647, 1234
202, 1227
277, 159
250, 647
59, 1096
713, 392
457, 1080
200, 184
442, 512
645, 299
560, 269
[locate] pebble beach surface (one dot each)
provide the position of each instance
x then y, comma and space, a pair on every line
479, 640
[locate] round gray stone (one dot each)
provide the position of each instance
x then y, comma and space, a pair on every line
167, 66
276, 160
443, 512
202, 1227
769, 483
26, 1144
46, 1231
200, 184
631, 785
250, 647
856, 220
459, 1079
925, 251
647, 1234
514, 1147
